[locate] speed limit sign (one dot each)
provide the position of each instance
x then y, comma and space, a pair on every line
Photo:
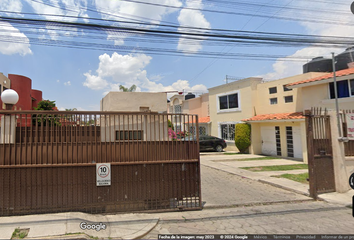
103, 174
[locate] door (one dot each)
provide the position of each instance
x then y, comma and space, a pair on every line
269, 146
297, 142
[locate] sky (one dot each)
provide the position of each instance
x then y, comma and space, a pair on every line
79, 78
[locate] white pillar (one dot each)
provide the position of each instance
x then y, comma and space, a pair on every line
340, 173
8, 129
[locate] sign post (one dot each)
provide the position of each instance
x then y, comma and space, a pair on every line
103, 174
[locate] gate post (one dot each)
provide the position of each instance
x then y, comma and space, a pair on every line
340, 171
310, 154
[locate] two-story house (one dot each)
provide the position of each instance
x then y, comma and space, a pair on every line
190, 104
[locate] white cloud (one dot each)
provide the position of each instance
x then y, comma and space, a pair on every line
20, 44
68, 83
11, 5
94, 82
72, 8
283, 69
127, 70
122, 10
192, 18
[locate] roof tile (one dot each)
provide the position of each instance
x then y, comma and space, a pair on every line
202, 120
276, 116
340, 73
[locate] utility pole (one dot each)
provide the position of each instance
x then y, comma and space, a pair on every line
336, 95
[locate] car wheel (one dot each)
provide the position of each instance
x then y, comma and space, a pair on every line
218, 148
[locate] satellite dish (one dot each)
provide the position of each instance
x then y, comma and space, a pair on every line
352, 7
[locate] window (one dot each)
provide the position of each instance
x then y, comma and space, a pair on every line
227, 131
192, 130
344, 89
288, 99
230, 101
129, 135
273, 101
277, 139
202, 131
178, 109
289, 141
272, 90
286, 89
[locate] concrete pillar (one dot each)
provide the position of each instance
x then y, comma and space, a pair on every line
8, 129
340, 172
256, 139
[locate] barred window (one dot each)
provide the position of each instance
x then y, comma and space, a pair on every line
202, 131
178, 109
227, 131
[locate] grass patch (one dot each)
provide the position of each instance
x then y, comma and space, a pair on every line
302, 178
231, 153
20, 233
248, 159
277, 168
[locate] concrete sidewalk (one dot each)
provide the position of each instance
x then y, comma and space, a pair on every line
67, 225
230, 164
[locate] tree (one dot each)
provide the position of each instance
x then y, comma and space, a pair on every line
46, 105
70, 109
70, 117
44, 119
124, 89
243, 136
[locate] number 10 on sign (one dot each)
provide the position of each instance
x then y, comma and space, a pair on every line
103, 174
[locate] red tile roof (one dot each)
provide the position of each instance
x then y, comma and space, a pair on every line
340, 73
276, 116
202, 120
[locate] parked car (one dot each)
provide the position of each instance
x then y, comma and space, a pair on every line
211, 143
208, 143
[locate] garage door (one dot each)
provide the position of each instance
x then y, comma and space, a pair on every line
269, 146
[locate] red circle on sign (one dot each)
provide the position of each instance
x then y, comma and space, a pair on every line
99, 169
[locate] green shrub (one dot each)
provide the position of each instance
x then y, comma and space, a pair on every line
170, 125
243, 136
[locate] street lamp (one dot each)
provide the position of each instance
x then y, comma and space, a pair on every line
10, 98
8, 121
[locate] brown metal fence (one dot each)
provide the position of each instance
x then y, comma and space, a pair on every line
319, 148
48, 161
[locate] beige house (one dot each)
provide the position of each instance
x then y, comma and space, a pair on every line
189, 104
134, 102
229, 104
132, 127
273, 110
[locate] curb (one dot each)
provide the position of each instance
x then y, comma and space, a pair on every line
283, 187
137, 235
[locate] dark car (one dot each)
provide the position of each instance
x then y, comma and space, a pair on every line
211, 143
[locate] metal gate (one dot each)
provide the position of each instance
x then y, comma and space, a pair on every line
48, 162
319, 148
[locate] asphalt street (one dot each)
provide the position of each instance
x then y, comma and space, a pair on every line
238, 205
285, 218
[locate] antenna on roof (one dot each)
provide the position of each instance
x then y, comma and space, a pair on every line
232, 78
